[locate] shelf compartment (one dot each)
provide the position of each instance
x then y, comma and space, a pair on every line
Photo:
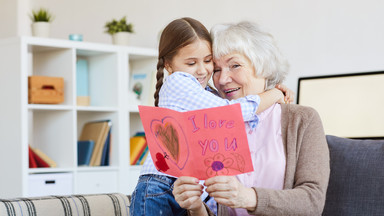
102, 72
53, 62
141, 79
87, 116
52, 132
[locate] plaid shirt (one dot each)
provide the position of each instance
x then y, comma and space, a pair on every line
182, 92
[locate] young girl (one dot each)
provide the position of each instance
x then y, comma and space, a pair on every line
185, 52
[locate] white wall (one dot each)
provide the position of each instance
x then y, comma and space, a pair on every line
318, 37
8, 21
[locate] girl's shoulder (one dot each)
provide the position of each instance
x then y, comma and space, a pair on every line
180, 81
181, 75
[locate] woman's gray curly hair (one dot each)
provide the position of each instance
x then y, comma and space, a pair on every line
258, 46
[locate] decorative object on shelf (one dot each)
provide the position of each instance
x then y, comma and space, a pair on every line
82, 83
45, 90
137, 87
41, 22
120, 31
141, 87
75, 37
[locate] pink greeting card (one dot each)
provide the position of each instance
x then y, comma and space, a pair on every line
201, 143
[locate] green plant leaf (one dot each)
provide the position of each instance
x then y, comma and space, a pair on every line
42, 15
121, 25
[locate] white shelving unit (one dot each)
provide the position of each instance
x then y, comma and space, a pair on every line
54, 129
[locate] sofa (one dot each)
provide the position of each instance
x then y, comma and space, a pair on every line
356, 182
113, 204
356, 187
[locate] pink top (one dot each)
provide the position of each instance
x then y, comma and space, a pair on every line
267, 152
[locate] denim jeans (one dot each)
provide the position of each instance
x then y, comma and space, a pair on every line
153, 196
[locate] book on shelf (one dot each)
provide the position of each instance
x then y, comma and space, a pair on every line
100, 150
140, 133
137, 147
143, 156
40, 159
44, 157
98, 132
32, 161
106, 150
84, 152
146, 150
40, 162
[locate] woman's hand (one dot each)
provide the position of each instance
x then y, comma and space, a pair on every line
187, 192
228, 191
289, 95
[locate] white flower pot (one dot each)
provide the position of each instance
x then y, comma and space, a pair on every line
121, 38
41, 29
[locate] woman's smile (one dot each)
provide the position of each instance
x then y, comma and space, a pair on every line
230, 92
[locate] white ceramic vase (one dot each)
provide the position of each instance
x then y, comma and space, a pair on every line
121, 38
41, 29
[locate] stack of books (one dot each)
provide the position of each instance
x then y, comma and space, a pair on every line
38, 159
138, 149
93, 147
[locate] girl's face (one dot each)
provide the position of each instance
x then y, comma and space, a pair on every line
235, 77
195, 59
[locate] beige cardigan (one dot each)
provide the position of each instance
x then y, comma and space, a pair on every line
307, 171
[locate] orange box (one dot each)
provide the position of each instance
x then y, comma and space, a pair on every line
45, 90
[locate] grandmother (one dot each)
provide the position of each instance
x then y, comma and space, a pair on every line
288, 148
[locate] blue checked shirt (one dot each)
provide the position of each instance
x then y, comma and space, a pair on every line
182, 92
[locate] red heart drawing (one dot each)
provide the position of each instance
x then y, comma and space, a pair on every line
160, 162
171, 139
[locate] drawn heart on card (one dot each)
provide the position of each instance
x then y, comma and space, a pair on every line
170, 137
160, 162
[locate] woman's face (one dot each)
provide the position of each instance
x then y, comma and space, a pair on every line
235, 77
195, 59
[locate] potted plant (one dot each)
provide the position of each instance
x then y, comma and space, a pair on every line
41, 22
120, 30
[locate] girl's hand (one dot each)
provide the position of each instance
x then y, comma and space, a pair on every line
289, 95
187, 192
228, 191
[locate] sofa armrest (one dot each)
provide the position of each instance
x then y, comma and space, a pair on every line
91, 204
